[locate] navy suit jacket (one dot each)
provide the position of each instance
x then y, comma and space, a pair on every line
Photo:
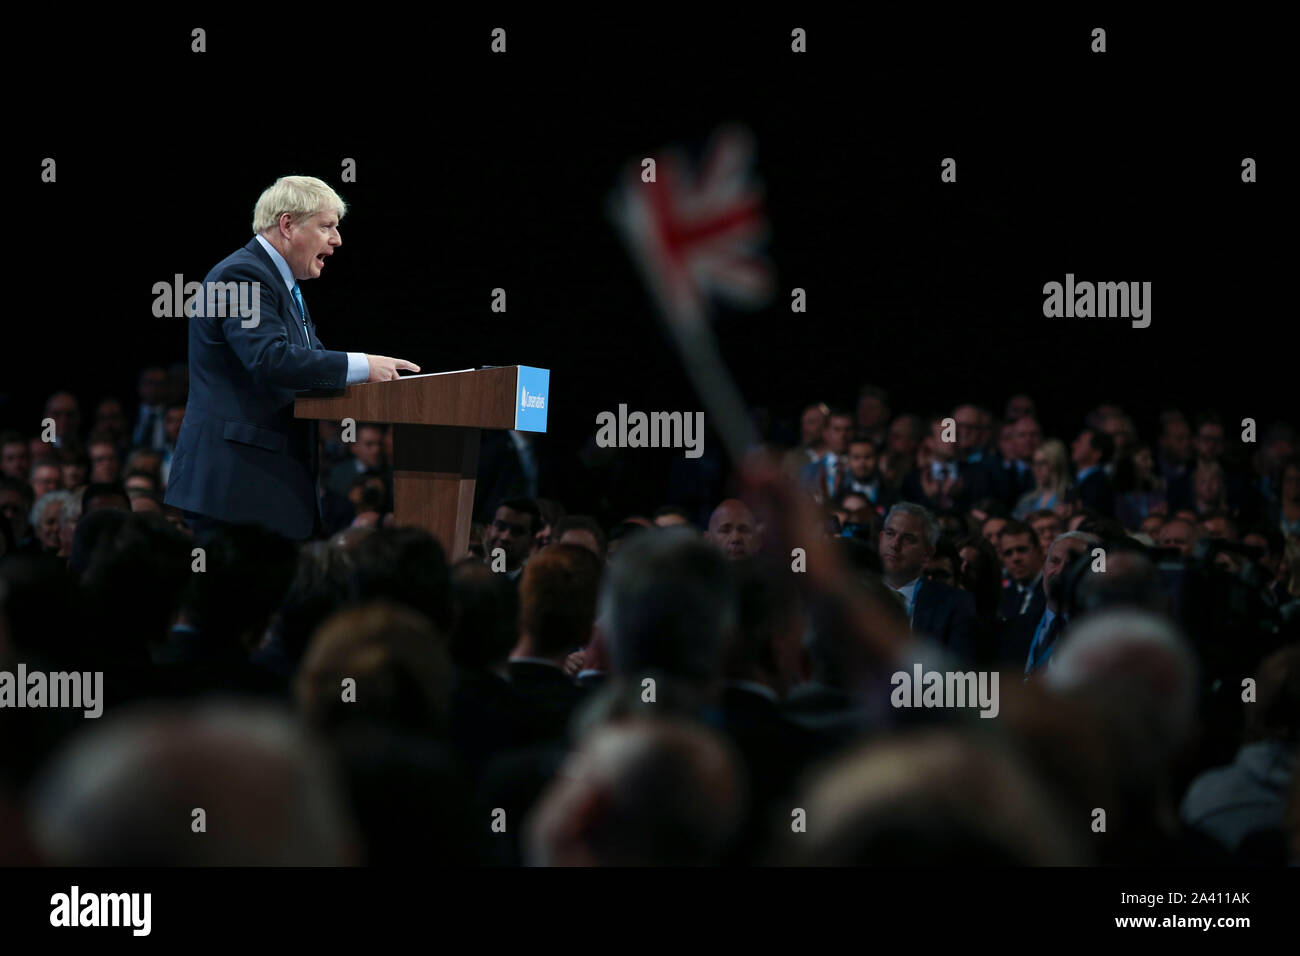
1011, 598
912, 490
241, 455
1015, 635
983, 479
1096, 492
948, 615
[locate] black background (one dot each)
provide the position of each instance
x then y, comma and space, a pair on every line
476, 171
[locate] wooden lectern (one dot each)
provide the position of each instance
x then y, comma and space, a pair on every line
436, 419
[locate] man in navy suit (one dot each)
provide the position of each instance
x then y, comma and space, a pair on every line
241, 456
1031, 638
1022, 556
981, 469
907, 543
1092, 451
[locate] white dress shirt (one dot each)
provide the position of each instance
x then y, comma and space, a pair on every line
909, 595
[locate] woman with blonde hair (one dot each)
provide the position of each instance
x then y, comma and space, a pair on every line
1210, 488
1050, 480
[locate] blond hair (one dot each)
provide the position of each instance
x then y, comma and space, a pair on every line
397, 658
299, 196
1054, 451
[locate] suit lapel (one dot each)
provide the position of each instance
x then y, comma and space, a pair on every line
293, 321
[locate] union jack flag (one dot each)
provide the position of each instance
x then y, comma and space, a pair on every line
698, 232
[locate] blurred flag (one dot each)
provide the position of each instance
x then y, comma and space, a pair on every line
697, 232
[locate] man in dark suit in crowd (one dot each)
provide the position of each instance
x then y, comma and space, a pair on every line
147, 431
762, 661
1026, 436
15, 456
512, 530
242, 457
826, 476
1091, 452
487, 715
907, 541
1022, 556
943, 485
864, 475
365, 457
1028, 640
980, 465
224, 614
557, 606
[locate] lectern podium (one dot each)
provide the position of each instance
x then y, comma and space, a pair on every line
436, 419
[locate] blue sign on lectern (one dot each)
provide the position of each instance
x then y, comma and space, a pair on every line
530, 402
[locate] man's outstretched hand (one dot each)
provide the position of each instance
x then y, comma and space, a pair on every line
384, 369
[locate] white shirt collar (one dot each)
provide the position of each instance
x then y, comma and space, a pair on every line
909, 590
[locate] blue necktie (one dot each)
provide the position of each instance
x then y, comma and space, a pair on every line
911, 605
302, 310
1044, 638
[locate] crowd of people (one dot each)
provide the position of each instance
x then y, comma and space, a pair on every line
659, 689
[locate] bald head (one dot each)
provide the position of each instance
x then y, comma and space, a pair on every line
1137, 655
125, 794
930, 798
733, 529
639, 793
